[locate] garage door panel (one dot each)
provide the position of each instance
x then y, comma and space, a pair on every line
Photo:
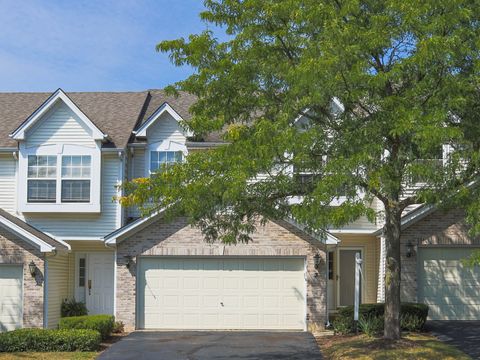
11, 277
243, 293
451, 289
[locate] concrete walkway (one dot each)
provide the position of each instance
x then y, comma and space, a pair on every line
465, 335
202, 345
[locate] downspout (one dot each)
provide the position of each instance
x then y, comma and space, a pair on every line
327, 315
45, 287
45, 292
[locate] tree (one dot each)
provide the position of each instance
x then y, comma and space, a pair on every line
361, 95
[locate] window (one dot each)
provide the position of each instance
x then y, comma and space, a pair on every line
42, 178
160, 158
331, 254
81, 272
76, 172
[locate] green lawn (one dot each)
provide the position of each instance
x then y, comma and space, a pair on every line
413, 346
49, 355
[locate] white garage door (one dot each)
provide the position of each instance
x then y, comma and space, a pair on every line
228, 293
10, 297
451, 289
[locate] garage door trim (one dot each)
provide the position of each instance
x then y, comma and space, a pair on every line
138, 276
22, 290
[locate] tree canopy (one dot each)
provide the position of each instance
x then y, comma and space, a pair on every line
319, 99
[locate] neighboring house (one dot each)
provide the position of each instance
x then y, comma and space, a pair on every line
62, 157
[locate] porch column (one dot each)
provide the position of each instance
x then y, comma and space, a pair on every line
381, 272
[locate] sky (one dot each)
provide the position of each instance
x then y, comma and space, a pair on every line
96, 45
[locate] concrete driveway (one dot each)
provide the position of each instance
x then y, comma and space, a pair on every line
202, 345
465, 335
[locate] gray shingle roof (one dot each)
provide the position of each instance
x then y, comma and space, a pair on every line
32, 230
115, 113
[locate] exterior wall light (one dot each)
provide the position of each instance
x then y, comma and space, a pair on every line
409, 252
32, 268
129, 259
316, 261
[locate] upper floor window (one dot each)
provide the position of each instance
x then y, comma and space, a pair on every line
164, 158
42, 175
43, 179
76, 172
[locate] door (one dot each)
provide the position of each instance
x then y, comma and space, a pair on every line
450, 289
11, 277
228, 293
347, 277
100, 283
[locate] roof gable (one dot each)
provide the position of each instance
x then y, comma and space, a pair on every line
163, 109
20, 132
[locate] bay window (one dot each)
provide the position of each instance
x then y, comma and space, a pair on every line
76, 172
159, 159
41, 178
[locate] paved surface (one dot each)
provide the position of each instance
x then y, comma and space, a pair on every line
202, 345
465, 335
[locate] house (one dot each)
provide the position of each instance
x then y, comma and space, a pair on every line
62, 236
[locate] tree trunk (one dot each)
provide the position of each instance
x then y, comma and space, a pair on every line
392, 273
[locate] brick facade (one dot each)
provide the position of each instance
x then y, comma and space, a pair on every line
440, 228
14, 250
179, 239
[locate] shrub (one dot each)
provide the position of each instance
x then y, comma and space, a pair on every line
370, 325
102, 323
49, 340
118, 327
414, 315
342, 325
73, 308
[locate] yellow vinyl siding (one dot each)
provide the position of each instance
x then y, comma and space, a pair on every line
58, 286
370, 247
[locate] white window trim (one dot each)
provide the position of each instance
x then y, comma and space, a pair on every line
94, 206
166, 145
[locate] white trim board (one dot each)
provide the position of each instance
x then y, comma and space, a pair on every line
19, 133
164, 108
25, 235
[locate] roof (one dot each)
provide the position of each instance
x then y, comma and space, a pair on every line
30, 233
114, 113
413, 216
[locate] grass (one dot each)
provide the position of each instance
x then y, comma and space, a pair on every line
412, 346
49, 355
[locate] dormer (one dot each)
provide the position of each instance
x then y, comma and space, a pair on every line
59, 164
164, 137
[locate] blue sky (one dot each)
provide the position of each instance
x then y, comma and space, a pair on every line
92, 45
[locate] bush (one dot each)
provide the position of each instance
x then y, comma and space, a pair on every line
49, 340
118, 327
414, 316
73, 308
342, 325
102, 323
371, 325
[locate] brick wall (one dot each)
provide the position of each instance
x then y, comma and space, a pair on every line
14, 250
179, 239
441, 228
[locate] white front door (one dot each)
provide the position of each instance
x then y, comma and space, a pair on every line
222, 293
100, 283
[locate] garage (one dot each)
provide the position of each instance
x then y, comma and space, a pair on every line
10, 297
247, 293
451, 289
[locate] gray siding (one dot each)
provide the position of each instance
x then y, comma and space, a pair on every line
7, 183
